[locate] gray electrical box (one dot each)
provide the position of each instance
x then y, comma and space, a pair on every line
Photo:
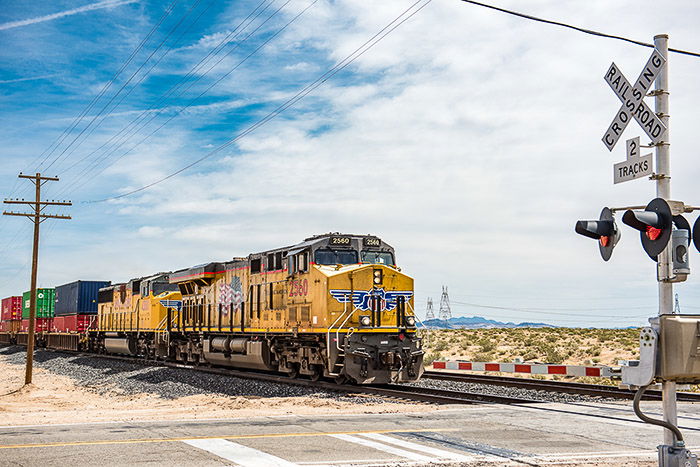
679, 348
680, 240
676, 457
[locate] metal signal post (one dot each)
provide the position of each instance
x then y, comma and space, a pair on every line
37, 217
663, 190
668, 346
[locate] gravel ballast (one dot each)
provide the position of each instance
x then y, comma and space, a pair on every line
105, 375
114, 376
544, 396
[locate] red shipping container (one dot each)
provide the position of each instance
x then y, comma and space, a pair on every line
74, 323
41, 325
9, 326
11, 308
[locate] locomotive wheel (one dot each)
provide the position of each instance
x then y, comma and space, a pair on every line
318, 372
294, 371
341, 379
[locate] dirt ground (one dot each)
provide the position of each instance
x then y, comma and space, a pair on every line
56, 399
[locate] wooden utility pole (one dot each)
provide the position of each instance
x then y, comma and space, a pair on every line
37, 217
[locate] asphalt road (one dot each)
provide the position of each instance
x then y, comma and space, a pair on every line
474, 435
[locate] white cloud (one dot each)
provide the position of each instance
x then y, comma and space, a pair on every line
63, 14
467, 139
29, 78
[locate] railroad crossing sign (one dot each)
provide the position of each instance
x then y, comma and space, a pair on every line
633, 105
635, 166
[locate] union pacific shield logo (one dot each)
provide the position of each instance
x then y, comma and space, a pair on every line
361, 299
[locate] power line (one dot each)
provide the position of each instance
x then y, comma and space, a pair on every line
133, 127
177, 41
545, 311
388, 29
119, 91
576, 28
104, 89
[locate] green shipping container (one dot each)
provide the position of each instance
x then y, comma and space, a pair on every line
45, 301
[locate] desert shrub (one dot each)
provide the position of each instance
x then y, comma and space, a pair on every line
553, 355
483, 357
430, 357
487, 345
440, 346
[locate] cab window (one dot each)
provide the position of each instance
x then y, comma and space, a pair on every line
303, 261
378, 257
160, 287
328, 256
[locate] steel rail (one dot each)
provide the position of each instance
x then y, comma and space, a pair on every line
395, 391
600, 390
439, 396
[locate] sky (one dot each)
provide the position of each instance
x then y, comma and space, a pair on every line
468, 139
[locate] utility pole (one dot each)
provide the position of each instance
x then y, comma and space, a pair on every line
663, 190
37, 217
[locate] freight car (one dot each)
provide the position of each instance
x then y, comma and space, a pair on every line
334, 306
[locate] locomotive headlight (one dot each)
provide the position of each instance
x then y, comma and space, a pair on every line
410, 321
365, 321
378, 276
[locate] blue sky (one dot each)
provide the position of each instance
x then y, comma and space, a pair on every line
468, 139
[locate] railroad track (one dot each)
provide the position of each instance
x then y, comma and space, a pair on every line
554, 386
394, 391
420, 394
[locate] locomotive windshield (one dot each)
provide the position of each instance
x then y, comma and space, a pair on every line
378, 257
328, 256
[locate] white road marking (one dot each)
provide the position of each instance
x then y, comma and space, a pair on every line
241, 455
440, 453
383, 447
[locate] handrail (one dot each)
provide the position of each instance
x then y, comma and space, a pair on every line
337, 333
328, 333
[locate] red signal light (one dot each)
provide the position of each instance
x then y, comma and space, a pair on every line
653, 233
604, 241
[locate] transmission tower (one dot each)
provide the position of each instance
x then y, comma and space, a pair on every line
677, 307
445, 312
430, 313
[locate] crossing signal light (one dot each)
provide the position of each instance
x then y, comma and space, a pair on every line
604, 230
654, 224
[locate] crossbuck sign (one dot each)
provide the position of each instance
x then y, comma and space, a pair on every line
633, 105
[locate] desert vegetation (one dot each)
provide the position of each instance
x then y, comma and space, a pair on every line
571, 346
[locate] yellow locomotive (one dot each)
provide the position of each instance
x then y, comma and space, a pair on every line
334, 306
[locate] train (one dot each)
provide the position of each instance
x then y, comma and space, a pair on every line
334, 306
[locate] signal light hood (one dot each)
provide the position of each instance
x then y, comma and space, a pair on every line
656, 216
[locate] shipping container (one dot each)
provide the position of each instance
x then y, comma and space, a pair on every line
41, 325
79, 297
44, 303
11, 308
77, 323
10, 327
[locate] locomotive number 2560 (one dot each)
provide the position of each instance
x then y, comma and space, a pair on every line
298, 288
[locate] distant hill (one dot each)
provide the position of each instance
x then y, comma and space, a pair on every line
478, 322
